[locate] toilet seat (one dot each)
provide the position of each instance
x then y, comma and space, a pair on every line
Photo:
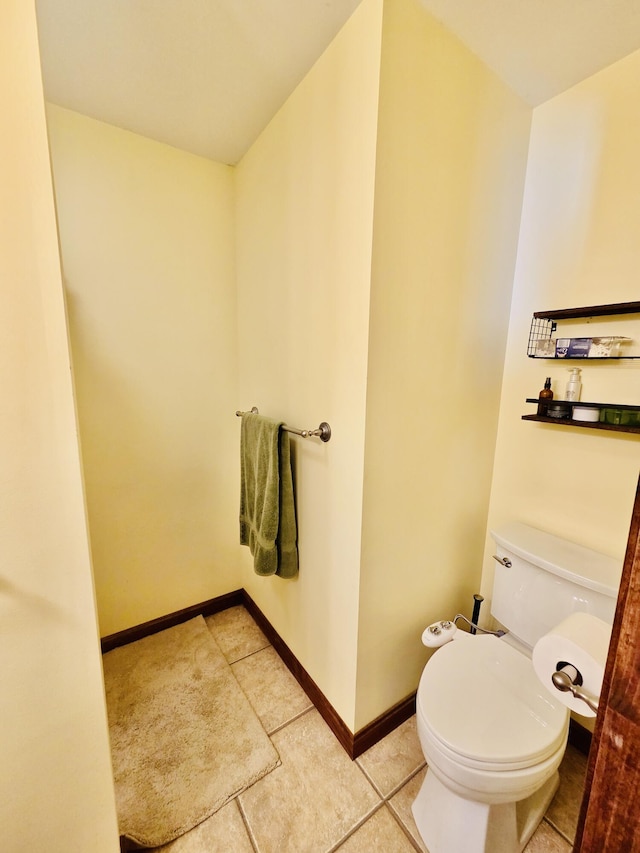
482, 702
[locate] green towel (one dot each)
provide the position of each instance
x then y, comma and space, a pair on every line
267, 508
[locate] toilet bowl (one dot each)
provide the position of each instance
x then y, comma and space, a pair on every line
493, 739
492, 734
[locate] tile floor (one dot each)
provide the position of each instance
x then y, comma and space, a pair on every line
318, 800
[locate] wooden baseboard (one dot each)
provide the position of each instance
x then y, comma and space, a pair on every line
205, 608
579, 737
324, 707
383, 725
353, 744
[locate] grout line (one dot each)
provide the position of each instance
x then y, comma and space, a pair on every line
395, 790
245, 656
230, 630
370, 780
404, 828
398, 785
247, 826
416, 842
356, 827
250, 654
559, 831
381, 805
292, 720
405, 781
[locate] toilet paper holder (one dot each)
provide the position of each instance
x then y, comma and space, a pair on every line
567, 678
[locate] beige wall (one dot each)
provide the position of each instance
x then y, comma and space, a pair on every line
447, 183
305, 215
148, 255
56, 792
578, 246
377, 220
451, 158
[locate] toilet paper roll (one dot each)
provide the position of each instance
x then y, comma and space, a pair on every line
581, 640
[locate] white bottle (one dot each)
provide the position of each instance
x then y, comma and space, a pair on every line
574, 385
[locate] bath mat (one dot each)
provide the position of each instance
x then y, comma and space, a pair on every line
184, 737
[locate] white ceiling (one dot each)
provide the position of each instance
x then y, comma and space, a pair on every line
207, 75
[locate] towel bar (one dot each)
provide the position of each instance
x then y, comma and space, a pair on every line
323, 432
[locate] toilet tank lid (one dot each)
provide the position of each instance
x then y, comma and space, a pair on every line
560, 557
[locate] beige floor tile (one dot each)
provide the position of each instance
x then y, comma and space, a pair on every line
391, 761
563, 811
314, 799
546, 840
401, 804
274, 693
380, 834
236, 633
223, 832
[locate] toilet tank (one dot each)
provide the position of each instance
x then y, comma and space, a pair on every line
549, 578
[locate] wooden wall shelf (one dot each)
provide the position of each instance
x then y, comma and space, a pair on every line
631, 428
544, 324
590, 311
583, 424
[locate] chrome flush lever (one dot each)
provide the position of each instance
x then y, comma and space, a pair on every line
568, 679
504, 561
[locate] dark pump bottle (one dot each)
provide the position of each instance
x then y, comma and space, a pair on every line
545, 397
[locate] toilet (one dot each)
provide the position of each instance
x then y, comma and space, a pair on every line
492, 734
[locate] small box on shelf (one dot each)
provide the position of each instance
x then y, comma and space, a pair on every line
602, 347
573, 347
618, 416
546, 348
